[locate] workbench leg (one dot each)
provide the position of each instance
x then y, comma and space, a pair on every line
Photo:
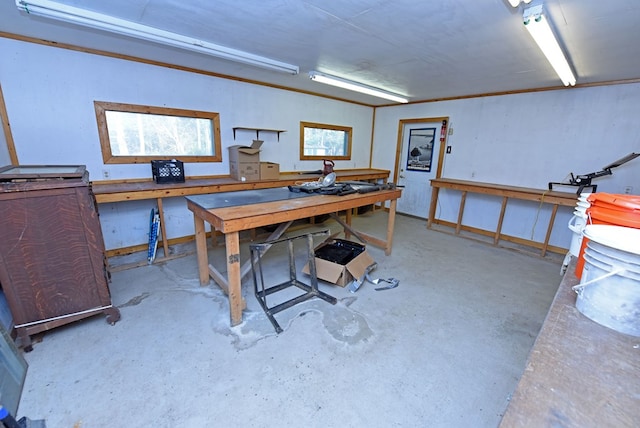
496, 238
348, 213
201, 250
391, 222
463, 199
232, 241
551, 221
433, 206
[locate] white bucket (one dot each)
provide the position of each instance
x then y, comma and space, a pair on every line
582, 206
584, 196
576, 225
609, 290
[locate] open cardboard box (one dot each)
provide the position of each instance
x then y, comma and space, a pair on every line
244, 161
239, 153
340, 274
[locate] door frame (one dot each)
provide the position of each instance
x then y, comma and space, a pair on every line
401, 125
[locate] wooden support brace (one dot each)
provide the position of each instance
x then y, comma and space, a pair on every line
554, 210
463, 199
496, 238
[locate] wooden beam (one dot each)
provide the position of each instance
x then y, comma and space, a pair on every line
500, 219
6, 127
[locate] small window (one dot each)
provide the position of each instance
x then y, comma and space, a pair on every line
318, 141
138, 134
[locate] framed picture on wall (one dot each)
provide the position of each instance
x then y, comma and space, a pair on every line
421, 141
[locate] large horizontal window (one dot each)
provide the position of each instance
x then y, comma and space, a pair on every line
138, 134
319, 141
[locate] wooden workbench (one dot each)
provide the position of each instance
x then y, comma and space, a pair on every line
231, 220
579, 373
133, 190
505, 192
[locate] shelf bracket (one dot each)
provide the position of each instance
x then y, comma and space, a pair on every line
258, 130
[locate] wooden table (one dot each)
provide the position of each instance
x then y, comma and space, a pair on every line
135, 190
231, 220
506, 192
579, 373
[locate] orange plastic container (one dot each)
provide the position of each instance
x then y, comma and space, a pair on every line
615, 202
612, 209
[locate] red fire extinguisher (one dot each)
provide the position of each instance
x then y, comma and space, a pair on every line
443, 131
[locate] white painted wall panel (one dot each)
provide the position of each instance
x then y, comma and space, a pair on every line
520, 139
5, 159
527, 140
49, 94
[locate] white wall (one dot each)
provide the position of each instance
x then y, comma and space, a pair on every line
527, 140
521, 139
49, 95
5, 158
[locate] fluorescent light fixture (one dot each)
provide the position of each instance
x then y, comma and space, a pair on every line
540, 30
74, 15
515, 3
353, 86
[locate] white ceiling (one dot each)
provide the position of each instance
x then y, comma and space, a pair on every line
422, 49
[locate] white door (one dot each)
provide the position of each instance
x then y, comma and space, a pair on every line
421, 144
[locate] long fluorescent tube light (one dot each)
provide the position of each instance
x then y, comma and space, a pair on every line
540, 30
353, 86
74, 15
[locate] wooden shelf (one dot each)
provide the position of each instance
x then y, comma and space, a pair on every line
506, 192
257, 130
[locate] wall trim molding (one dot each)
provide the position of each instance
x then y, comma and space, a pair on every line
49, 43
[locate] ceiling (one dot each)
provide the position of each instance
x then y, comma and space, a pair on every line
422, 49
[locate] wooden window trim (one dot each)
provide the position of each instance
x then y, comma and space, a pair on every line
109, 158
347, 129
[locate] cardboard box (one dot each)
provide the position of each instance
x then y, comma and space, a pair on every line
244, 161
337, 272
248, 171
269, 171
244, 154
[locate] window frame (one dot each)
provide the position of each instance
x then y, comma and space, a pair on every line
347, 129
101, 107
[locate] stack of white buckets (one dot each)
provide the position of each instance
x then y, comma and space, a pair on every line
609, 288
577, 224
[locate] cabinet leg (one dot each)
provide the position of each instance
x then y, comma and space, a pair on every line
113, 315
23, 340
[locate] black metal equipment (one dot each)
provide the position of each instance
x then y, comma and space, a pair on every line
341, 188
583, 181
257, 251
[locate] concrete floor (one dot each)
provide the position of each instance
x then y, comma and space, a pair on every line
444, 349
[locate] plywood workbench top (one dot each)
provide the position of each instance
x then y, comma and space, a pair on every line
579, 373
112, 191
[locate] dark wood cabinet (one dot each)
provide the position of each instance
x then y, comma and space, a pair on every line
53, 269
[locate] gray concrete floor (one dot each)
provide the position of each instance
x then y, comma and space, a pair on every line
444, 349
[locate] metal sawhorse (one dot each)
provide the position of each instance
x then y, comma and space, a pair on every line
310, 291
